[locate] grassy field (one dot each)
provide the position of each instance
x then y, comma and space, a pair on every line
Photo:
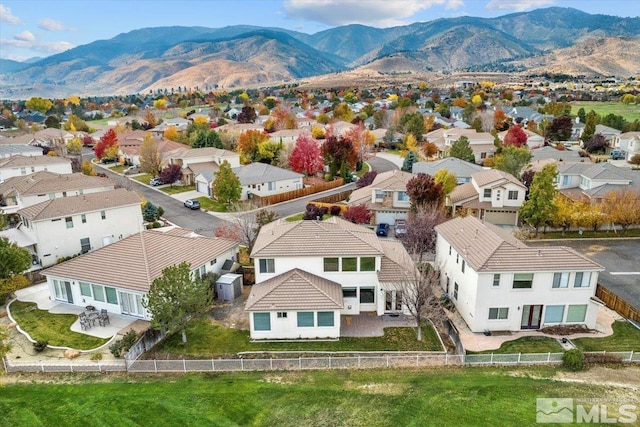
625, 337
528, 345
212, 205
205, 340
55, 328
434, 397
630, 112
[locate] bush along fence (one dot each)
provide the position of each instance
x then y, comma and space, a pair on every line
354, 361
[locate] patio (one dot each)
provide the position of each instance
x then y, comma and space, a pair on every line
39, 294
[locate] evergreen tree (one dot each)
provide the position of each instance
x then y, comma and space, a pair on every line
409, 160
226, 186
461, 149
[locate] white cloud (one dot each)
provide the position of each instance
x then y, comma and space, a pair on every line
378, 13
42, 47
25, 36
517, 5
53, 25
7, 16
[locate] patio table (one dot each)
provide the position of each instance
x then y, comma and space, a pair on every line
93, 316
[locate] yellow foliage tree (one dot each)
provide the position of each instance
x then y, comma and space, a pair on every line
428, 123
73, 99
52, 153
447, 179
160, 104
74, 147
87, 168
317, 132
410, 144
623, 208
477, 100
566, 215
112, 152
200, 120
392, 98
171, 133
459, 102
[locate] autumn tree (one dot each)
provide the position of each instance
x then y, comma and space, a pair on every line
226, 186
150, 118
39, 104
306, 156
107, 147
176, 297
413, 123
249, 144
87, 168
512, 159
589, 126
75, 123
342, 111
447, 179
337, 151
171, 133
419, 295
420, 238
160, 104
247, 115
150, 159
461, 149
560, 129
424, 191
597, 143
635, 160
500, 120
14, 261
361, 138
74, 147
539, 209
516, 136
429, 149
590, 215
283, 118
358, 214
623, 208
170, 174
565, 213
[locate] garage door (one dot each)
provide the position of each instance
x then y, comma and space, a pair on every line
500, 217
388, 217
203, 188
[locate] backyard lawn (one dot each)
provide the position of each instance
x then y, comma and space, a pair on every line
630, 112
625, 337
206, 340
527, 345
55, 328
429, 397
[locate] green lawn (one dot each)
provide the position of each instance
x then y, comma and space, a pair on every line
625, 337
205, 340
55, 328
118, 168
298, 217
430, 397
365, 169
527, 345
630, 112
212, 205
175, 189
143, 178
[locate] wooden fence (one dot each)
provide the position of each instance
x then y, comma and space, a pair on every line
616, 303
248, 275
333, 198
294, 194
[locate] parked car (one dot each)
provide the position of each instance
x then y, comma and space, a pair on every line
154, 182
131, 170
400, 228
617, 155
192, 204
382, 229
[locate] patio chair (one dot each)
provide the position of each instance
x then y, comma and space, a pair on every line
85, 322
103, 319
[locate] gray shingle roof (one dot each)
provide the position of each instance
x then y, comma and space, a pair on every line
295, 290
258, 173
456, 166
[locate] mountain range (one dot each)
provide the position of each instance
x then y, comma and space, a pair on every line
558, 39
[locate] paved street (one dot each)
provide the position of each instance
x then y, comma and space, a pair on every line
620, 258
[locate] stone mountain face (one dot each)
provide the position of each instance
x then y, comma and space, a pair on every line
244, 56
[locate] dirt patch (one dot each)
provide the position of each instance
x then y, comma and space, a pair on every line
566, 330
627, 377
232, 314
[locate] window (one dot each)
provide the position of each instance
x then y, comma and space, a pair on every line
52, 196
83, 218
403, 196
463, 266
85, 289
325, 318
23, 171
69, 221
267, 265
500, 313
498, 193
349, 292
576, 313
455, 291
111, 295
367, 295
213, 261
367, 264
378, 194
522, 281
457, 258
282, 315
582, 280
349, 264
98, 293
487, 193
64, 194
560, 280
449, 249
496, 280
271, 186
513, 195
261, 321
103, 214
305, 319
554, 314
85, 245
331, 264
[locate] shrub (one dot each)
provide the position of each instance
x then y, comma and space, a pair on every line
128, 339
40, 345
116, 348
157, 224
96, 356
314, 212
335, 210
573, 359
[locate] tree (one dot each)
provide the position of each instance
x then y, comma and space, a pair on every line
14, 261
597, 143
171, 174
206, 138
171, 133
361, 139
150, 119
413, 123
527, 178
560, 129
160, 104
447, 179
74, 147
306, 156
87, 168
565, 214
515, 136
105, 147
420, 238
635, 160
540, 209
52, 122
623, 208
424, 191
409, 160
500, 120
75, 123
512, 159
366, 179
419, 295
226, 186
429, 149
590, 215
177, 297
149, 212
247, 115
249, 144
150, 159
343, 112
590, 126
628, 98
337, 151
461, 149
358, 214
39, 104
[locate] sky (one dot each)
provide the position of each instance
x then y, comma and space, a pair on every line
40, 28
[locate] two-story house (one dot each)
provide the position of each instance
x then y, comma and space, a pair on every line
481, 143
492, 195
117, 277
629, 142
73, 225
497, 283
461, 169
386, 197
309, 273
25, 165
593, 181
194, 161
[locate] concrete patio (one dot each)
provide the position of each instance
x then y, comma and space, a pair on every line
371, 325
39, 294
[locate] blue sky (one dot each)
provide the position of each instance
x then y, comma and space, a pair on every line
42, 28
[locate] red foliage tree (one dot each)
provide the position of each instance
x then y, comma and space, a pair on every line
366, 179
171, 174
306, 156
500, 120
358, 214
423, 191
515, 136
109, 139
421, 236
338, 150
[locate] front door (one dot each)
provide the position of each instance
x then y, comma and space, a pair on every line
393, 302
131, 304
531, 315
67, 286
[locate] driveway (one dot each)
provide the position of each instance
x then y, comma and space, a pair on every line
619, 257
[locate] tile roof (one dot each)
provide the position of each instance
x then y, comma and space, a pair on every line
394, 180
74, 205
495, 178
463, 192
396, 263
190, 153
134, 262
334, 236
295, 290
19, 161
44, 182
456, 166
486, 247
258, 173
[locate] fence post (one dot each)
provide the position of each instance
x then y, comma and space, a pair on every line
184, 365
213, 365
548, 357
71, 366
155, 365
6, 369
42, 366
446, 359
329, 361
241, 364
387, 360
519, 354
271, 363
299, 363
630, 357
99, 368
417, 358
491, 362
359, 360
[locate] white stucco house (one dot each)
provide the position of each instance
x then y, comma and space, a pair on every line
629, 142
386, 197
492, 195
460, 168
25, 165
594, 181
481, 143
69, 226
117, 277
198, 160
299, 266
497, 283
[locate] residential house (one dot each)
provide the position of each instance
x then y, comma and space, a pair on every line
131, 142
24, 165
607, 132
9, 150
195, 161
386, 197
178, 122
298, 265
480, 142
629, 142
23, 191
548, 154
118, 277
593, 181
68, 226
497, 283
52, 137
286, 136
533, 139
461, 169
492, 195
